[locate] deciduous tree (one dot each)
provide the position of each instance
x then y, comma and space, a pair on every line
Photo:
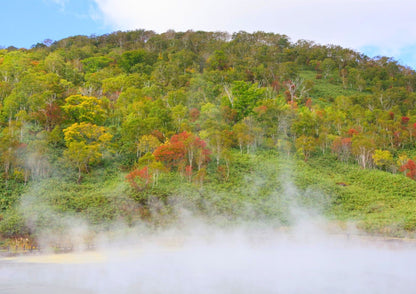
84, 109
305, 145
139, 179
85, 145
184, 149
383, 159
410, 167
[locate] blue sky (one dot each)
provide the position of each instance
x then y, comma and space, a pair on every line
374, 27
27, 22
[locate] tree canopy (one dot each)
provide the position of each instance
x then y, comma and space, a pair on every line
182, 102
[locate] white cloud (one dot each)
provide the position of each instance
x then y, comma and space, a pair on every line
60, 3
350, 23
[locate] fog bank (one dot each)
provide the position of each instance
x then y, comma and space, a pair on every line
238, 260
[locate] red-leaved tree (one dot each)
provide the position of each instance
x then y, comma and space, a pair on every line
184, 149
409, 166
139, 179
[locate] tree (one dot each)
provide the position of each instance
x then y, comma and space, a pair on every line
244, 97
218, 61
37, 162
132, 61
33, 91
363, 148
306, 123
383, 159
9, 145
179, 115
55, 63
305, 145
156, 168
144, 117
184, 149
85, 145
297, 89
139, 179
94, 64
214, 129
146, 168
248, 134
342, 148
271, 114
409, 166
147, 143
50, 116
328, 65
243, 135
172, 153
218, 140
85, 109
13, 65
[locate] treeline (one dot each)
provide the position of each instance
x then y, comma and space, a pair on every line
180, 101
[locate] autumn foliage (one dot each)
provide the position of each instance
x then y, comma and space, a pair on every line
342, 148
87, 108
410, 167
183, 150
139, 179
405, 120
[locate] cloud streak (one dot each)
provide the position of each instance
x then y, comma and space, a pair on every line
60, 3
349, 23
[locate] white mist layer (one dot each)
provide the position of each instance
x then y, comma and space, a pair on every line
222, 261
211, 254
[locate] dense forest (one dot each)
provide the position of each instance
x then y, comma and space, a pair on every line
102, 126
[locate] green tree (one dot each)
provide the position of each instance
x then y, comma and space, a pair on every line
9, 144
55, 63
96, 63
143, 118
271, 115
13, 65
218, 61
363, 148
137, 60
305, 145
244, 97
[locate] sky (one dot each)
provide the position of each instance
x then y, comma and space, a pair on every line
373, 27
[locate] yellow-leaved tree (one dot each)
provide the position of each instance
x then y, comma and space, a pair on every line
383, 159
81, 108
86, 143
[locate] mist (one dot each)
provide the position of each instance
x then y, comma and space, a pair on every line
197, 249
212, 260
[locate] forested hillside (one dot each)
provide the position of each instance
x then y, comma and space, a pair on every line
100, 126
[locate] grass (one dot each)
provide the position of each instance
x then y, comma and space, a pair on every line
380, 202
325, 91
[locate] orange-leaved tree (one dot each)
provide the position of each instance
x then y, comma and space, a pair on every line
139, 179
409, 166
183, 151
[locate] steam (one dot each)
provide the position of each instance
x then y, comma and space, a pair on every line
280, 243
52, 228
221, 261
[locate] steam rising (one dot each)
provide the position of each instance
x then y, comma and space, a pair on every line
210, 260
211, 252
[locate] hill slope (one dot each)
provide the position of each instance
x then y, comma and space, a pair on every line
116, 128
